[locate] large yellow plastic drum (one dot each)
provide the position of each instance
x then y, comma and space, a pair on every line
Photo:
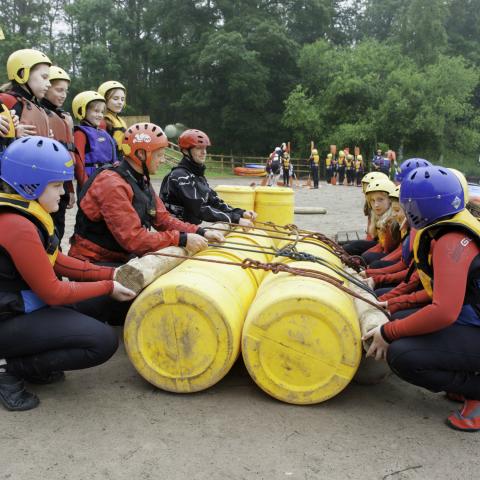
237, 196
301, 341
274, 204
183, 332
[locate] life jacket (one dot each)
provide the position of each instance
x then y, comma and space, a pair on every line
341, 161
100, 149
358, 165
16, 297
462, 221
349, 164
61, 126
116, 127
316, 159
328, 162
286, 162
31, 114
143, 203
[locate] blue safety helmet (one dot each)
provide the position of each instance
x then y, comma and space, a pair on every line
29, 164
408, 165
430, 193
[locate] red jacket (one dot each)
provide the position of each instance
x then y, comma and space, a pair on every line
110, 198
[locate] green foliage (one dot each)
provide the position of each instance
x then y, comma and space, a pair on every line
403, 73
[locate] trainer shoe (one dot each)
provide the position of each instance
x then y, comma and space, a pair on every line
467, 419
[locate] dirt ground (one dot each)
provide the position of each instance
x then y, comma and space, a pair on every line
108, 423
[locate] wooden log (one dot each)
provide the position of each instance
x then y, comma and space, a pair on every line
310, 210
141, 271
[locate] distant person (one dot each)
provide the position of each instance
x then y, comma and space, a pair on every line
315, 166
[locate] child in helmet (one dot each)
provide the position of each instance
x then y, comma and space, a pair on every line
61, 125
329, 168
437, 347
115, 96
94, 147
186, 192
349, 169
359, 169
341, 164
286, 168
314, 166
274, 166
383, 226
28, 72
39, 338
357, 247
119, 214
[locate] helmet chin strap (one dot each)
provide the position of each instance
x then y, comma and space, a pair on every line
145, 171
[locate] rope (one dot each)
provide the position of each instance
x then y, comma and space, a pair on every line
302, 236
275, 268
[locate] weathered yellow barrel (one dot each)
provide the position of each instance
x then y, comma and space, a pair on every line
301, 341
237, 196
274, 204
183, 332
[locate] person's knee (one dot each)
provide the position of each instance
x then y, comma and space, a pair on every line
104, 343
402, 358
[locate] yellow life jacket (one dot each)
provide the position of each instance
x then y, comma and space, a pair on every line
316, 159
116, 127
328, 162
32, 210
349, 163
286, 161
463, 221
5, 112
358, 165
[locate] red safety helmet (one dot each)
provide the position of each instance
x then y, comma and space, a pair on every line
143, 136
193, 138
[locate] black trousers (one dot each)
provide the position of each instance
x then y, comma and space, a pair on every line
328, 174
286, 177
359, 176
443, 361
357, 247
315, 175
341, 174
53, 339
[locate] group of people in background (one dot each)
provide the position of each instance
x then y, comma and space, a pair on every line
48, 325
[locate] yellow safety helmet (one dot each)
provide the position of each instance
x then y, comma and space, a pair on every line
329, 155
81, 101
20, 63
463, 181
57, 73
359, 157
314, 151
105, 87
367, 178
395, 194
341, 153
381, 185
350, 157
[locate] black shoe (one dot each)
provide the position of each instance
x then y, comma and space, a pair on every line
52, 377
13, 394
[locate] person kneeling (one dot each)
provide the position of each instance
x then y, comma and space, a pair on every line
40, 338
186, 192
121, 217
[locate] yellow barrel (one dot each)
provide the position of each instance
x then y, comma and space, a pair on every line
183, 332
301, 341
237, 196
274, 204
